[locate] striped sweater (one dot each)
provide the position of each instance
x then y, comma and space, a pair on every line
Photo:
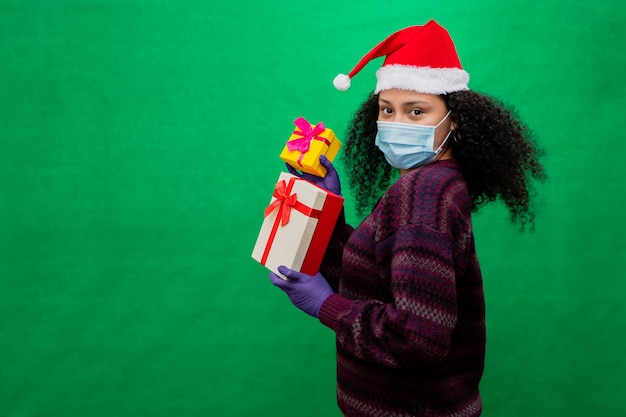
408, 312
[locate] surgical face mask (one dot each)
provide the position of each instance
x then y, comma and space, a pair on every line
408, 145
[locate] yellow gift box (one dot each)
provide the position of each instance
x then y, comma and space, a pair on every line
307, 143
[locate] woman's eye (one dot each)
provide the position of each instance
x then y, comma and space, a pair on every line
386, 110
416, 112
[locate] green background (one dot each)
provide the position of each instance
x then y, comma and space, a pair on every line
139, 146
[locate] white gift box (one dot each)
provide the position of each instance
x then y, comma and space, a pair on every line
298, 224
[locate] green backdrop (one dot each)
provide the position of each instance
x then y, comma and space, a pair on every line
139, 146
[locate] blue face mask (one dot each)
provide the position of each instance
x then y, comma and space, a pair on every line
408, 145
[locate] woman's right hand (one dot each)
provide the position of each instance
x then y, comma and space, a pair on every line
329, 182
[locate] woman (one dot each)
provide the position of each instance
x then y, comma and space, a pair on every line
403, 291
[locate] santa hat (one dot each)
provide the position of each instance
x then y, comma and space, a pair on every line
418, 58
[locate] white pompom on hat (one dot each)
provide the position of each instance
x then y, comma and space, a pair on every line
418, 58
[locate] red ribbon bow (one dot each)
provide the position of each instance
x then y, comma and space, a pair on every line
284, 202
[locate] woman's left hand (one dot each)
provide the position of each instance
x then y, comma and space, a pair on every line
307, 292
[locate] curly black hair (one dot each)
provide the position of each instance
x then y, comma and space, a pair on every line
497, 153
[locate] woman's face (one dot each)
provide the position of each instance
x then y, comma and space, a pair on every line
406, 106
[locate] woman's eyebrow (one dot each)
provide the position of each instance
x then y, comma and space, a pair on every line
408, 103
412, 103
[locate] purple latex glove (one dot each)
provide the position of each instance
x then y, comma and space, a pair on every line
306, 292
329, 182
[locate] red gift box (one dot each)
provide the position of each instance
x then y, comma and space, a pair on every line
297, 227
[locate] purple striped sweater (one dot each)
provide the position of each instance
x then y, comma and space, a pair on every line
409, 312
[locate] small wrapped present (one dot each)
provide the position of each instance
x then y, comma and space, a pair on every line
307, 143
297, 227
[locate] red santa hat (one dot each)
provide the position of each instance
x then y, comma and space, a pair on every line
418, 58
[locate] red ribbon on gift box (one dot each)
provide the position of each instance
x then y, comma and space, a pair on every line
284, 202
308, 134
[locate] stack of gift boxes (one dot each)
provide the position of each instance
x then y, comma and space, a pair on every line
300, 218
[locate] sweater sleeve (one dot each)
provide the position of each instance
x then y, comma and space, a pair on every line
414, 326
331, 264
